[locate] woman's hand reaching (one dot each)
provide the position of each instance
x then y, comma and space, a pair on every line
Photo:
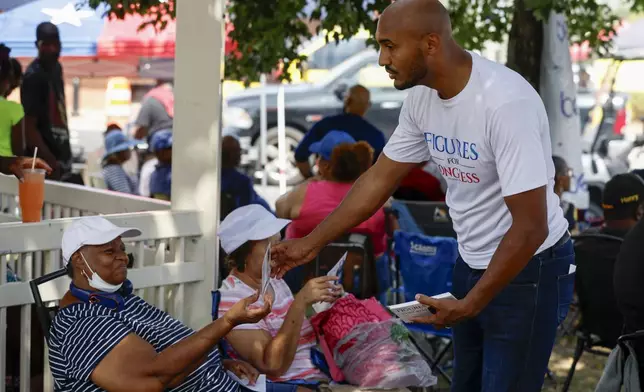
320, 289
244, 313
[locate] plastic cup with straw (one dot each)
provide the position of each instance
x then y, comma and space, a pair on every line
31, 192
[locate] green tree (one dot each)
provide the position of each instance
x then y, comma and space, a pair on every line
270, 32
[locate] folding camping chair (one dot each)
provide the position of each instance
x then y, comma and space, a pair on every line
45, 313
359, 273
424, 217
601, 322
425, 266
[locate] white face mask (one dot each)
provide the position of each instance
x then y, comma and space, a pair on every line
98, 283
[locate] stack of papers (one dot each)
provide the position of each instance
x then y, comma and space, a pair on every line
260, 384
413, 309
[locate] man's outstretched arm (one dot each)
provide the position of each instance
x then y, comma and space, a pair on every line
368, 194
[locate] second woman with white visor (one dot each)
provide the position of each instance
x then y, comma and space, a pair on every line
280, 344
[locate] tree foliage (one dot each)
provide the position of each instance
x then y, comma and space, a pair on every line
269, 33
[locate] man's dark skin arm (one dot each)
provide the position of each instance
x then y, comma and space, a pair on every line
528, 231
368, 194
15, 165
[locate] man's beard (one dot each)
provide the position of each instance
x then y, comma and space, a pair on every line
417, 73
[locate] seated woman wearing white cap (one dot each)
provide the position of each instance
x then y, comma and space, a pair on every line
106, 338
280, 344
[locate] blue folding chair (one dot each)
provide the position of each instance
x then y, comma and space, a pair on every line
288, 386
425, 266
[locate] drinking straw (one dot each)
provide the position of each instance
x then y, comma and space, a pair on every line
33, 162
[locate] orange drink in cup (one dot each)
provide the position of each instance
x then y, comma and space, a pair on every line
31, 192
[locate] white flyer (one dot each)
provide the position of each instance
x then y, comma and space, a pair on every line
337, 269
266, 286
260, 384
266, 271
413, 309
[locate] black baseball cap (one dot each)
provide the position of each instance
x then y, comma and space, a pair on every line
47, 31
622, 195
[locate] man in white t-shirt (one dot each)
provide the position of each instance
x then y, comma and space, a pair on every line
487, 129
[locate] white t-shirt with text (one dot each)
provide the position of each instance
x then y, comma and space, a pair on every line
490, 141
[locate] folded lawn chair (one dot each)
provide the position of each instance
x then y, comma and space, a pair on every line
425, 267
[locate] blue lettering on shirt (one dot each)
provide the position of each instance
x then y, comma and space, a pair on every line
452, 146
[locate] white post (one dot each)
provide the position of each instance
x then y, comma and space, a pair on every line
263, 127
281, 138
196, 137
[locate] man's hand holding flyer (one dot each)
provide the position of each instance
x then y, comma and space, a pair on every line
414, 309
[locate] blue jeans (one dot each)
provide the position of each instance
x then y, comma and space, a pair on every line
507, 346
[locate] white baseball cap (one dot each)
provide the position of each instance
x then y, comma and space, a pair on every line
249, 223
92, 230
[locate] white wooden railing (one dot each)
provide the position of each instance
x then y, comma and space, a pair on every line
64, 200
169, 272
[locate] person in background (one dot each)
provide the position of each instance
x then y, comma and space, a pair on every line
11, 113
118, 150
112, 127
43, 98
280, 345
596, 257
341, 161
157, 111
17, 75
563, 176
236, 188
14, 165
161, 177
420, 185
147, 168
629, 289
351, 121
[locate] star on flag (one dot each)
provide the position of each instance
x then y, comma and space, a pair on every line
67, 14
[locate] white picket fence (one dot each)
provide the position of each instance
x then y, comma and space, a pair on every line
169, 271
69, 200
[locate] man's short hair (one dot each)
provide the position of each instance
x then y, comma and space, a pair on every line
47, 31
623, 194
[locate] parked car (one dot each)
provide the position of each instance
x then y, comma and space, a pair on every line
306, 104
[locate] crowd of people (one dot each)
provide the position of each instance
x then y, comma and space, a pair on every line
513, 280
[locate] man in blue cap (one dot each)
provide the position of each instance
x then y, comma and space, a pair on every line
161, 179
118, 150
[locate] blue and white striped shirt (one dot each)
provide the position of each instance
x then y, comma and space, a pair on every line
116, 179
82, 335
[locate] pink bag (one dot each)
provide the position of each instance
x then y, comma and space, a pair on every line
334, 324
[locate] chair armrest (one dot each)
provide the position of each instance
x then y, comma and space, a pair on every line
631, 336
